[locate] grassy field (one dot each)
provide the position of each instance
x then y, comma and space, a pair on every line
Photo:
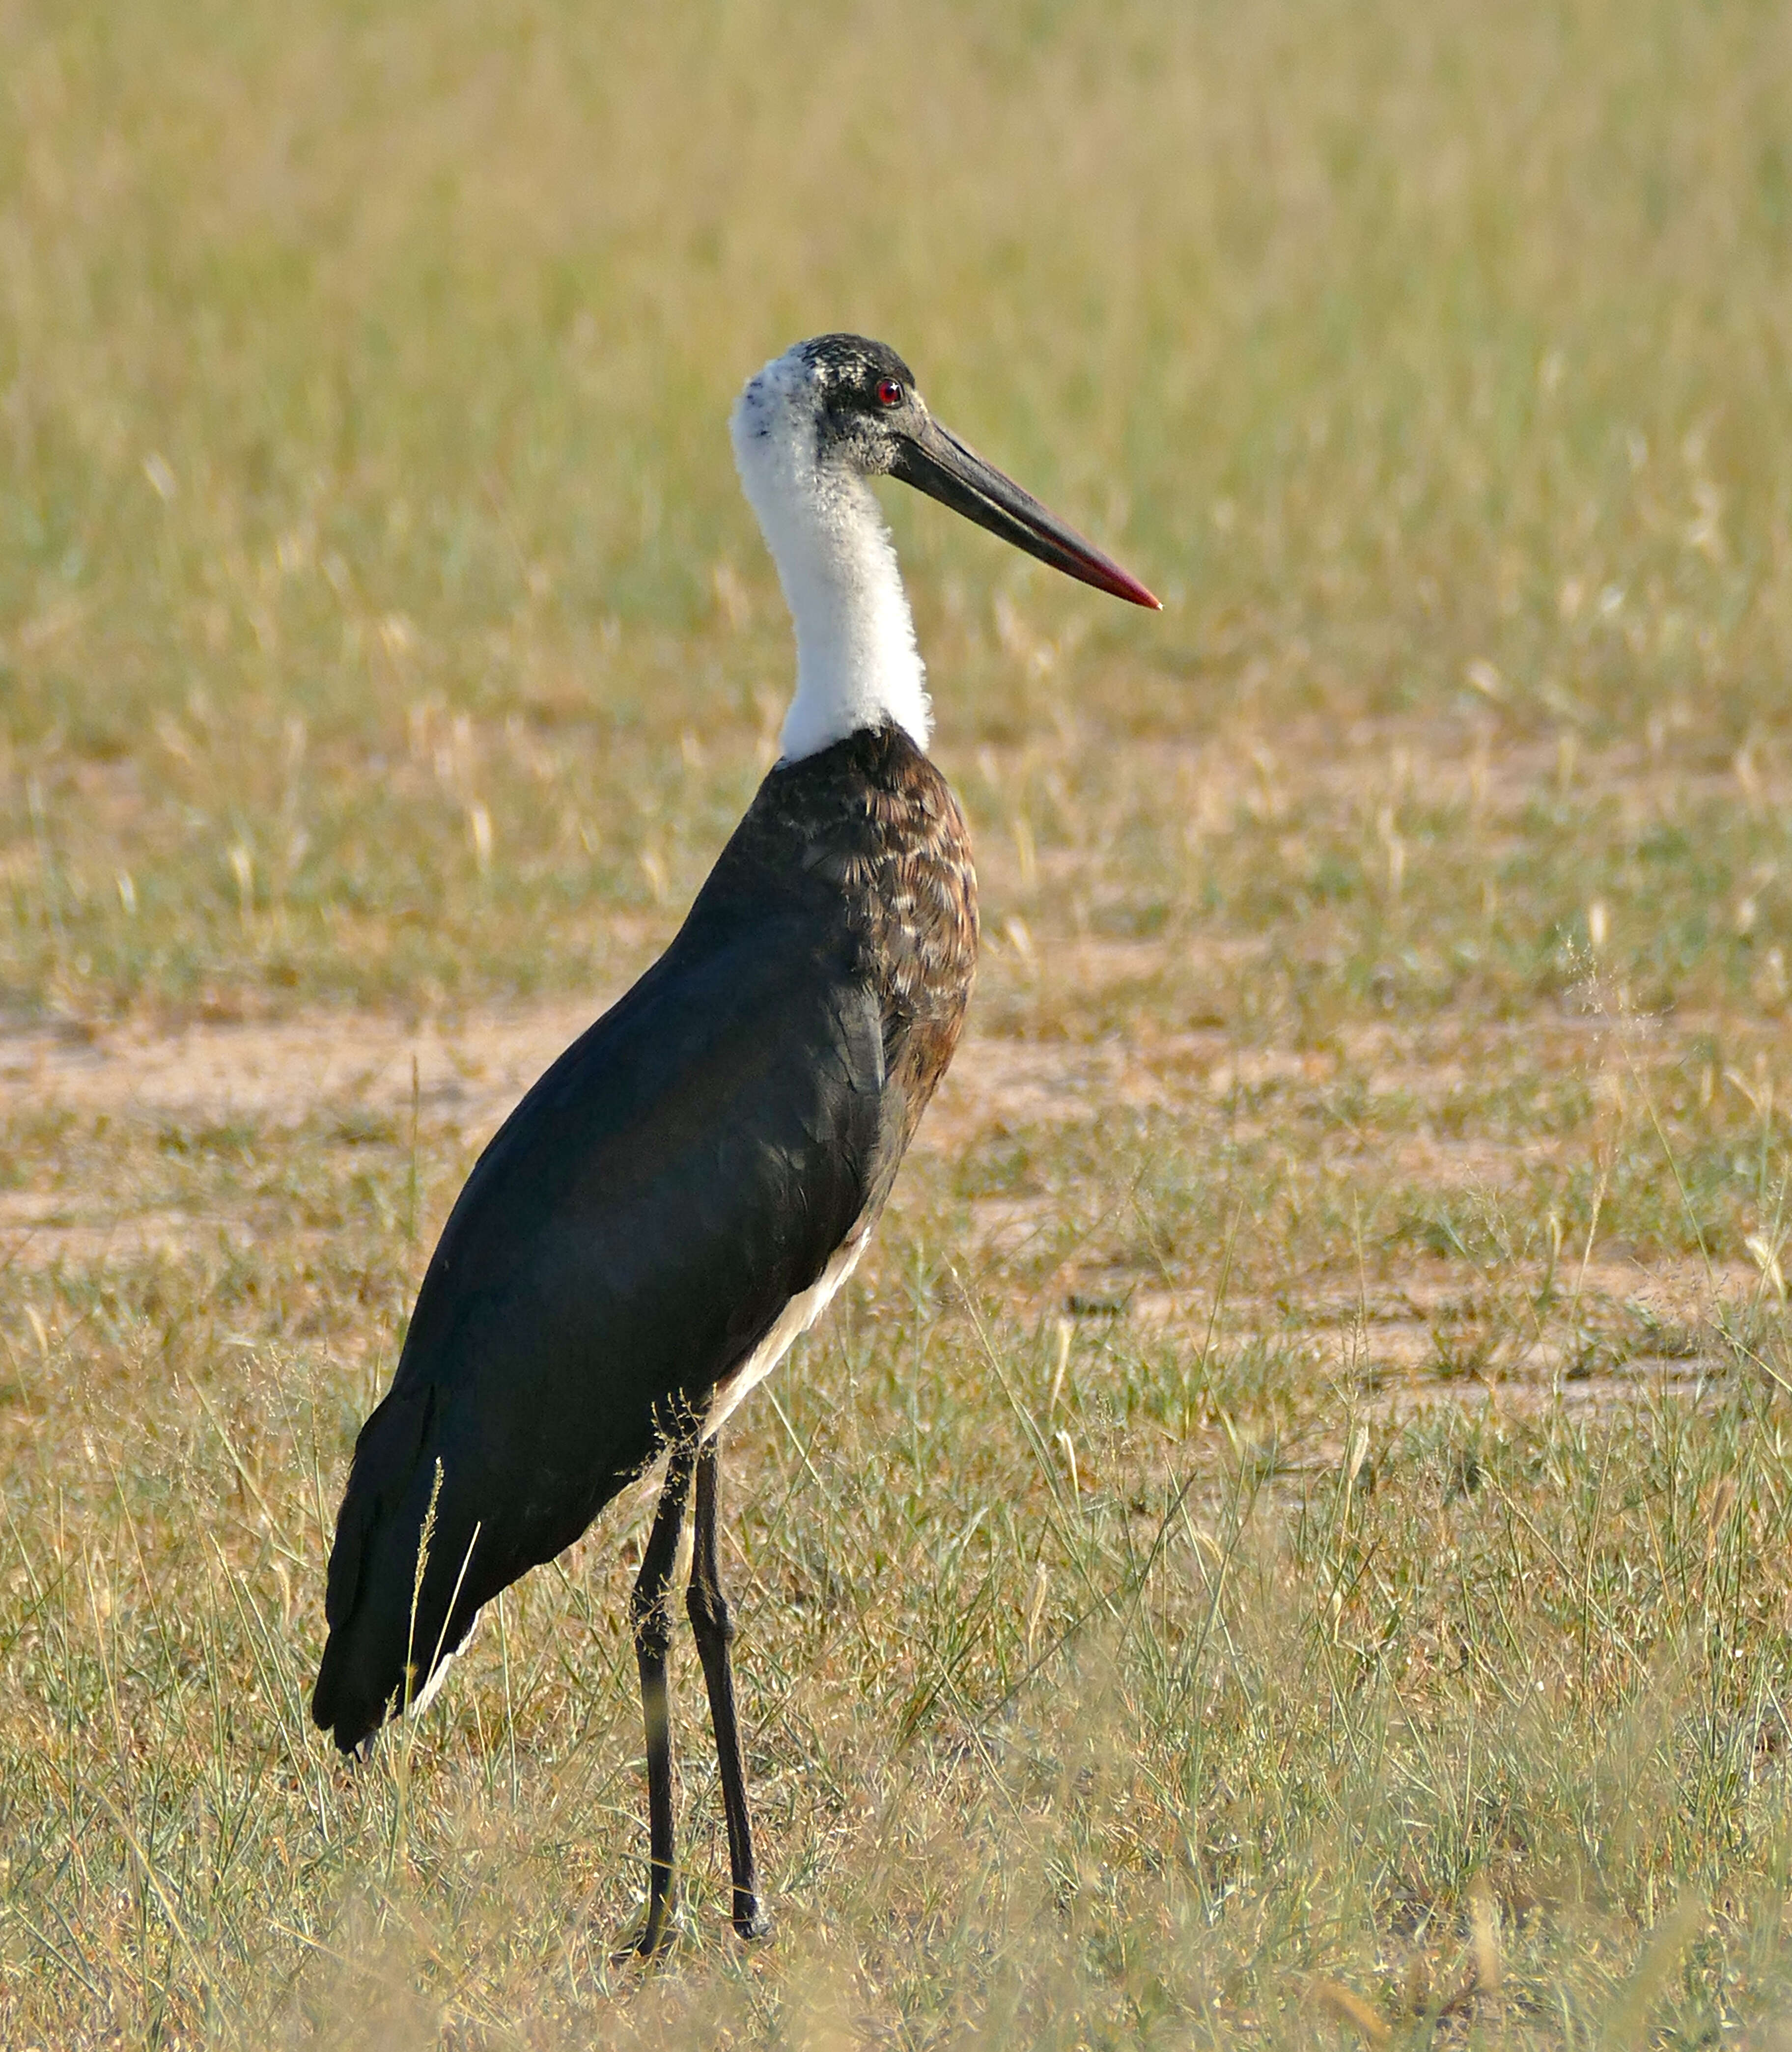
1285, 1540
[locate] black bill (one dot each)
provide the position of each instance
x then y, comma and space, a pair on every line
939, 464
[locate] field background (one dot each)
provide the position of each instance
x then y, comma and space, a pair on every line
1286, 1539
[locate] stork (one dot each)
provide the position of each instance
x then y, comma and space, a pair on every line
683, 1191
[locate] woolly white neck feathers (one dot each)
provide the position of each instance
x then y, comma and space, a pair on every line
857, 665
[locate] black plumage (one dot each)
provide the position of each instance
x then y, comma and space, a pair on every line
641, 1219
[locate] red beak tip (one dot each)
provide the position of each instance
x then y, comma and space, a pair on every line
1122, 584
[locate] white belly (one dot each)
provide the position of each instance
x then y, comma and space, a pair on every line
431, 1689
797, 1317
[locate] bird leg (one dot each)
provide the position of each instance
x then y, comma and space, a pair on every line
652, 1635
713, 1625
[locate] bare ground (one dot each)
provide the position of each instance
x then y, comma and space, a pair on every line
1399, 1345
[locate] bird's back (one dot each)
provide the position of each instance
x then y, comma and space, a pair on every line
636, 1227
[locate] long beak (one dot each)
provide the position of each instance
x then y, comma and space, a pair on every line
939, 464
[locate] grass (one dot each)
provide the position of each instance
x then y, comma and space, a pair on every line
1283, 1539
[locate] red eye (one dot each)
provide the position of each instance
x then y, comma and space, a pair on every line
889, 392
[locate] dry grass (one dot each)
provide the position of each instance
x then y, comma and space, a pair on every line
1285, 1538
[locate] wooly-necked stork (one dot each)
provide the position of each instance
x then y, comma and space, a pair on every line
686, 1187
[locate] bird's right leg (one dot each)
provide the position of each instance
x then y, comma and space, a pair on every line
653, 1634
712, 1626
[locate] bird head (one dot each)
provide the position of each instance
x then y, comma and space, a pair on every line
851, 404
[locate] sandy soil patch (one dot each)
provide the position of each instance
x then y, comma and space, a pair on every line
465, 1073
1403, 1345
471, 1069
285, 1072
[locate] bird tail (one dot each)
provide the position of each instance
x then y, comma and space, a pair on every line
397, 1601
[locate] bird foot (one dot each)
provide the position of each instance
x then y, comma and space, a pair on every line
650, 1941
752, 1921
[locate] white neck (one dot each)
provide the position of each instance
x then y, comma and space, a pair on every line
857, 665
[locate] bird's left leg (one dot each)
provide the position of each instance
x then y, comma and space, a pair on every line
653, 1636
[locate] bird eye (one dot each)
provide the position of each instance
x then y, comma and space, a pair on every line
889, 392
